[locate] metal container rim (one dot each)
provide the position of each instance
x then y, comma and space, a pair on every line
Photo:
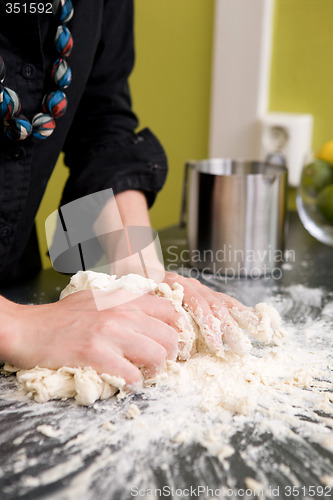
236, 167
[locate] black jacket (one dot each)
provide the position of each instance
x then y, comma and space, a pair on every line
97, 133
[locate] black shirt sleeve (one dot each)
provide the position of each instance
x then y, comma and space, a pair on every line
102, 149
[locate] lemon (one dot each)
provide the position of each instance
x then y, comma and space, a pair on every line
326, 152
325, 203
315, 176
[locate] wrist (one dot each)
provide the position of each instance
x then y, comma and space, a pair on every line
9, 329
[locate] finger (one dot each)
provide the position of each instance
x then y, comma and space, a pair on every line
236, 339
167, 311
263, 322
164, 310
160, 308
208, 292
177, 317
156, 330
226, 309
114, 364
228, 301
196, 304
246, 318
141, 350
217, 304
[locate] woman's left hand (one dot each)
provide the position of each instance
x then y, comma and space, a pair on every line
220, 317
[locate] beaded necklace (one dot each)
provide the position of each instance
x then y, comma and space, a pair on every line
16, 126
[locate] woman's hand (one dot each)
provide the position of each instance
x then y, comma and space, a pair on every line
220, 317
71, 332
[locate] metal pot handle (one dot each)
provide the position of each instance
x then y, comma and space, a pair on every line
183, 211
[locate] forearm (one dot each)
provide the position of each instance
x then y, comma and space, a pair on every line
128, 209
133, 208
8, 329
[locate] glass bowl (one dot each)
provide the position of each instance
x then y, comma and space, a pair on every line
315, 200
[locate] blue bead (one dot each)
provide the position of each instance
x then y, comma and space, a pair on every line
63, 41
55, 103
43, 126
18, 128
61, 74
67, 11
10, 104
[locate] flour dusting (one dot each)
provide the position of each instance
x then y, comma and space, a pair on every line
266, 416
198, 334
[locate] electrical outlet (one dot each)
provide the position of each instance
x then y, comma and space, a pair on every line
287, 138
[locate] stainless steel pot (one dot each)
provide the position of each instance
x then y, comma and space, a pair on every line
235, 212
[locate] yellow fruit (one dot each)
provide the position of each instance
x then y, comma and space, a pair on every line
326, 152
315, 176
325, 203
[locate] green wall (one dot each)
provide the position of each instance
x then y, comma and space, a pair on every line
302, 63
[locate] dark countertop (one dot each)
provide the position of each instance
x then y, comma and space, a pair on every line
308, 262
82, 461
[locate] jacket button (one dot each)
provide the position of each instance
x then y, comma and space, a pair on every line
17, 154
29, 71
5, 232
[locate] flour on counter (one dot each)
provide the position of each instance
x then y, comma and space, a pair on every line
264, 420
199, 344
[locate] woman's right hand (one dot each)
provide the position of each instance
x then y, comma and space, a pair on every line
72, 332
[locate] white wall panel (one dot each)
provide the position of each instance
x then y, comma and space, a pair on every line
240, 80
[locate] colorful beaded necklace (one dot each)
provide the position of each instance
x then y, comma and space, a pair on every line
16, 126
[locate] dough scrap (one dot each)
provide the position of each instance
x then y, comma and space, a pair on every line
133, 411
86, 386
83, 384
48, 431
